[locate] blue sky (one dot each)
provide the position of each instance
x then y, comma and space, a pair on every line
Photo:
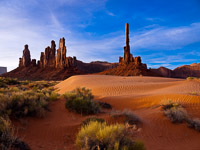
163, 32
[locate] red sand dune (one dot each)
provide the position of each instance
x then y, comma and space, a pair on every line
143, 95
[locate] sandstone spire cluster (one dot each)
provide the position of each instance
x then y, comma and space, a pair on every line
128, 57
48, 58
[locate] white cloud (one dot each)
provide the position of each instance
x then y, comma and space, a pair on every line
155, 19
166, 38
110, 14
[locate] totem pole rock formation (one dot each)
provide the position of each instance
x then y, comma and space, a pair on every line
52, 57
41, 62
61, 60
48, 58
129, 65
128, 57
26, 58
61, 54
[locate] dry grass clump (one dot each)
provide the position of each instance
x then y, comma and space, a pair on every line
8, 140
98, 135
24, 103
175, 112
194, 123
6, 137
24, 100
20, 99
88, 120
192, 78
53, 96
39, 85
176, 115
8, 81
81, 101
129, 116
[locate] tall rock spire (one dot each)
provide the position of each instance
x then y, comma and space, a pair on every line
127, 35
26, 58
127, 47
127, 57
61, 54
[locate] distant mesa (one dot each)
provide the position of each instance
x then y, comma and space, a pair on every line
184, 71
56, 65
3, 70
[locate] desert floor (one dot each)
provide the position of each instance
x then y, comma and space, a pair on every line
142, 95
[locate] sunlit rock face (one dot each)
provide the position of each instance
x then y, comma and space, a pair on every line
49, 58
25, 61
128, 57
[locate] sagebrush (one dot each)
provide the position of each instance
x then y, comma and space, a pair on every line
98, 135
88, 120
177, 114
20, 99
194, 123
8, 141
129, 116
81, 101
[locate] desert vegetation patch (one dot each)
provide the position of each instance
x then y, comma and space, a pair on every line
178, 114
20, 99
81, 101
98, 135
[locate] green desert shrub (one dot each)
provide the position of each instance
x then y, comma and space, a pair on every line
24, 103
28, 104
176, 115
194, 123
53, 96
4, 82
88, 120
81, 101
9, 90
8, 141
25, 100
9, 81
129, 116
98, 135
6, 137
39, 85
175, 112
170, 105
25, 82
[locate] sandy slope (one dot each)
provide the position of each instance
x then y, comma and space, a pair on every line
143, 95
